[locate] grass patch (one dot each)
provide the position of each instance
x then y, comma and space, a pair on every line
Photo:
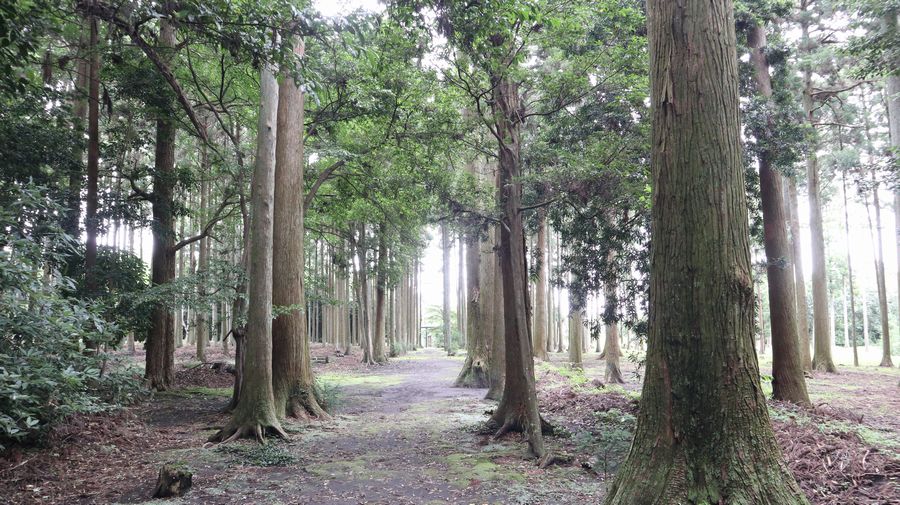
197, 391
269, 454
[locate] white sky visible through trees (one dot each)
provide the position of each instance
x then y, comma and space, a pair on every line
861, 244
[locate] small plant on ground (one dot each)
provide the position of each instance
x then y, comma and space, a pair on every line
609, 440
269, 454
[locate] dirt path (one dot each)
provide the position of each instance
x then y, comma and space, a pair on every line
401, 435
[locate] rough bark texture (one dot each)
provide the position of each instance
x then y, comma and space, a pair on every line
518, 409
611, 350
788, 383
380, 288
203, 261
445, 271
703, 433
160, 345
498, 334
363, 326
91, 222
576, 332
255, 414
293, 385
821, 320
540, 295
475, 372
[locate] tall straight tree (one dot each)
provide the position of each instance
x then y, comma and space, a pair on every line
790, 198
821, 320
293, 385
788, 383
703, 433
540, 295
255, 414
445, 307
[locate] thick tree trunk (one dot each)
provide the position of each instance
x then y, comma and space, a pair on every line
255, 415
498, 332
160, 345
475, 372
518, 409
293, 385
892, 97
788, 383
799, 278
540, 295
611, 351
703, 433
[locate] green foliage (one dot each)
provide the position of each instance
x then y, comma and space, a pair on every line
610, 438
45, 375
268, 454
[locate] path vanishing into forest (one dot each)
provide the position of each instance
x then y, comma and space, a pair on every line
400, 435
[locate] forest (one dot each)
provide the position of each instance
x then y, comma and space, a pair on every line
622, 252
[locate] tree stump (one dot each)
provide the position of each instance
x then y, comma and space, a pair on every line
174, 480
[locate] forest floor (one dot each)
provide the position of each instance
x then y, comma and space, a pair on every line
402, 435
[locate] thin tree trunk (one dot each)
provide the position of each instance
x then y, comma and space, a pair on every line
445, 307
822, 356
203, 262
852, 332
703, 432
799, 277
540, 290
892, 97
380, 287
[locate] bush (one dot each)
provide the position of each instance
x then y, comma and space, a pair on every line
45, 374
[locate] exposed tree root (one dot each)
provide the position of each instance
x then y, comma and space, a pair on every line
555, 459
473, 375
257, 432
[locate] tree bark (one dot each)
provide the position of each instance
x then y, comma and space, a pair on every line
203, 261
160, 345
576, 331
788, 383
255, 415
611, 350
445, 307
852, 332
703, 433
821, 331
799, 277
380, 288
518, 408
498, 333
475, 372
363, 326
540, 295
293, 385
892, 95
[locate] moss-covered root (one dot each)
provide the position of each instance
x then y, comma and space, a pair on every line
306, 406
473, 375
502, 423
256, 431
667, 476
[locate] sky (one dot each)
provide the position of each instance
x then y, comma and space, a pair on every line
861, 243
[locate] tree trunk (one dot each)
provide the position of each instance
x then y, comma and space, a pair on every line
445, 307
498, 333
363, 326
576, 330
293, 385
380, 287
255, 415
540, 294
91, 222
71, 224
703, 433
203, 262
822, 356
799, 277
611, 350
475, 372
160, 345
852, 332
892, 97
518, 409
788, 383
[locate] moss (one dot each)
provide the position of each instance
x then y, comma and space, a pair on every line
197, 391
269, 454
343, 380
463, 468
